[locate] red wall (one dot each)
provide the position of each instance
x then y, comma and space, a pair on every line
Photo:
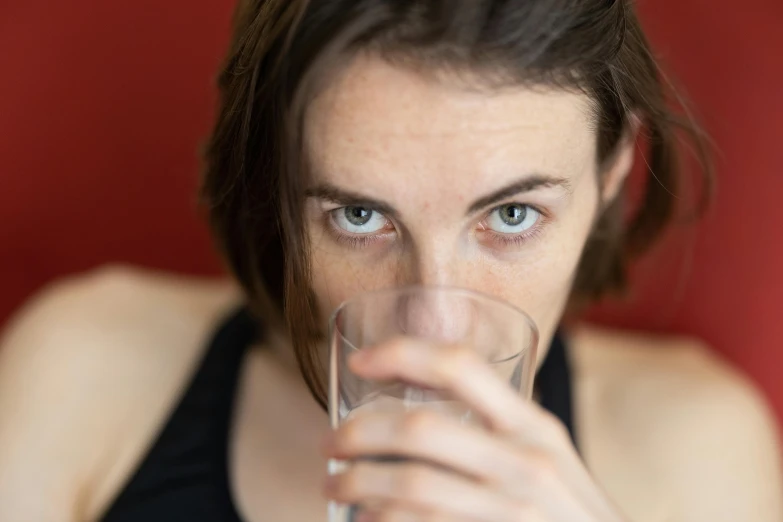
103, 106
722, 280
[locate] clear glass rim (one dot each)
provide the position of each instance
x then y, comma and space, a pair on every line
452, 290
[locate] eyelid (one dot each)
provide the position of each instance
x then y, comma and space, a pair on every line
355, 239
528, 235
327, 205
507, 239
541, 210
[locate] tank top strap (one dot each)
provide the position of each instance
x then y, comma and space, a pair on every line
554, 384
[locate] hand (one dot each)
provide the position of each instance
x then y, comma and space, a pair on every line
521, 467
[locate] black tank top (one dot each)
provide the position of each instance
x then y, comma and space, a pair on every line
185, 475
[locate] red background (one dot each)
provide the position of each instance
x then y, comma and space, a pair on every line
103, 106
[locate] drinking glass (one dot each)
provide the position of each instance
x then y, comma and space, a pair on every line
504, 336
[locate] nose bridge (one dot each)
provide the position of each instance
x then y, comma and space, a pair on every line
446, 317
437, 263
436, 245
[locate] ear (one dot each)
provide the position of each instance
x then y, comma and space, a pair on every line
619, 164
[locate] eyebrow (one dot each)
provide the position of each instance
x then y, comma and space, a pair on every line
329, 192
526, 184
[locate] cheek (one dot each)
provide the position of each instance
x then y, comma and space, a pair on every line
540, 286
541, 282
339, 274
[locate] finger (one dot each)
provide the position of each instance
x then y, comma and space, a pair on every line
416, 487
455, 369
523, 473
426, 435
393, 513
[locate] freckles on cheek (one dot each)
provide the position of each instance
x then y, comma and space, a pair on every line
539, 286
339, 275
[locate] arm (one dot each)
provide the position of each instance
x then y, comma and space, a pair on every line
88, 372
45, 457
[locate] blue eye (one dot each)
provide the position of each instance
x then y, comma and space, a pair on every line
512, 219
359, 220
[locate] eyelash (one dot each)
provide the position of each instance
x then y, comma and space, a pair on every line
347, 239
506, 240
526, 236
355, 241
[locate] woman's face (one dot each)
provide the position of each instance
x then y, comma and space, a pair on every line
417, 180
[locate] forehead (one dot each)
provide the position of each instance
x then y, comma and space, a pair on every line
375, 122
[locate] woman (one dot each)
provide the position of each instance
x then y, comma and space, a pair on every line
371, 144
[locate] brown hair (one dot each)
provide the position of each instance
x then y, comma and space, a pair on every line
280, 50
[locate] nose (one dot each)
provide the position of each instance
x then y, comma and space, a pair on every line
437, 315
433, 265
440, 316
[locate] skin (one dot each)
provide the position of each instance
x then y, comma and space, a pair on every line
432, 149
667, 433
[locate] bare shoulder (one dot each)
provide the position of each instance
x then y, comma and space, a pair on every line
679, 378
686, 417
88, 369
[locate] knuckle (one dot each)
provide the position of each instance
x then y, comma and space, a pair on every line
418, 425
350, 433
348, 484
554, 430
392, 515
463, 356
395, 515
412, 482
560, 432
456, 362
515, 465
542, 469
525, 513
397, 350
